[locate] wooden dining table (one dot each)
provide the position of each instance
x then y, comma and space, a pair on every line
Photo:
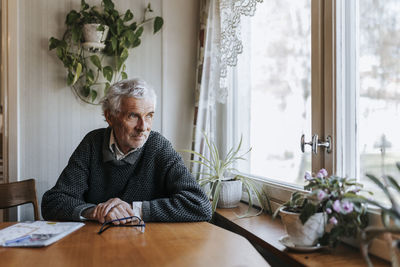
162, 244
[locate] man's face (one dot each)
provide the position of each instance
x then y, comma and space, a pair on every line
132, 125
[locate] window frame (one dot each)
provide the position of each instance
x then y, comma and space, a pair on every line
333, 39
323, 99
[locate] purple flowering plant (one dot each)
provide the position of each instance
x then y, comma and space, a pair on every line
340, 199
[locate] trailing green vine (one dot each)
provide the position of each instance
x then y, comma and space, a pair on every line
84, 68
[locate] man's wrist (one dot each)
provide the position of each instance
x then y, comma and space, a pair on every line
88, 213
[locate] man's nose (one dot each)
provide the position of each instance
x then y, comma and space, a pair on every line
141, 124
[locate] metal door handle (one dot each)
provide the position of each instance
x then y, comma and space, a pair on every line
315, 143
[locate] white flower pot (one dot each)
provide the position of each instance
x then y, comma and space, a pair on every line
230, 194
94, 39
303, 235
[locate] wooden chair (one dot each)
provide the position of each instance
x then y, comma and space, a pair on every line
18, 193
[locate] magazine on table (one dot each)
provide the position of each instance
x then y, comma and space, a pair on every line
37, 233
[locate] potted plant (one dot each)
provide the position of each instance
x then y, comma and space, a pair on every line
225, 187
336, 197
88, 72
302, 230
390, 215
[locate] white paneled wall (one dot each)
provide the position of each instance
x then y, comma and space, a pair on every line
52, 121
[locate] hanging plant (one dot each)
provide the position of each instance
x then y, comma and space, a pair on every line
87, 60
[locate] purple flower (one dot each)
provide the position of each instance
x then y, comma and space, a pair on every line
308, 176
328, 210
321, 195
336, 205
347, 207
333, 221
322, 173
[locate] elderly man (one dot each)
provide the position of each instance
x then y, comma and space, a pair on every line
126, 169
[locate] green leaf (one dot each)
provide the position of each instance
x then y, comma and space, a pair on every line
70, 78
122, 58
84, 6
85, 91
124, 75
138, 33
100, 28
108, 73
78, 71
53, 43
248, 191
114, 43
89, 77
108, 5
60, 52
378, 183
120, 26
76, 34
130, 36
393, 183
113, 29
133, 26
136, 43
96, 61
93, 93
308, 210
158, 23
216, 196
126, 43
128, 15
72, 17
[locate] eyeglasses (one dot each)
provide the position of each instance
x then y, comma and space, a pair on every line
140, 224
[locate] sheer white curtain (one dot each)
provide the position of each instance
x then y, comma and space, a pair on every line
219, 45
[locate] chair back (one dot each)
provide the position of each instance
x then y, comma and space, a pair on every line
18, 193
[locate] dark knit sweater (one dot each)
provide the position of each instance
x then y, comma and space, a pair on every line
154, 174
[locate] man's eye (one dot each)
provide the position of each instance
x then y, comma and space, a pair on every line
132, 115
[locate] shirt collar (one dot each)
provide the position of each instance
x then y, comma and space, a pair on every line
113, 146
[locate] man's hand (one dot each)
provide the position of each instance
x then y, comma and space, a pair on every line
113, 209
88, 213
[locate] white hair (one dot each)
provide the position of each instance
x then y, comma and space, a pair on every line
136, 88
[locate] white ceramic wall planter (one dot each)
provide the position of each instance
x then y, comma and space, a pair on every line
94, 39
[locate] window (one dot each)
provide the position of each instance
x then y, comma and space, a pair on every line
274, 88
272, 84
370, 91
319, 67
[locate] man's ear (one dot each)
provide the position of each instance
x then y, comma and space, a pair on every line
108, 117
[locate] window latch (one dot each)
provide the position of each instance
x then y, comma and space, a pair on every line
315, 143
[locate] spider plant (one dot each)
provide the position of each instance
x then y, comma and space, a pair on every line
216, 170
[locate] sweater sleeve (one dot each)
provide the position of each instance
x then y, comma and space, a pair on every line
186, 200
65, 201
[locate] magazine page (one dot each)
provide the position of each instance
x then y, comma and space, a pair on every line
36, 234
